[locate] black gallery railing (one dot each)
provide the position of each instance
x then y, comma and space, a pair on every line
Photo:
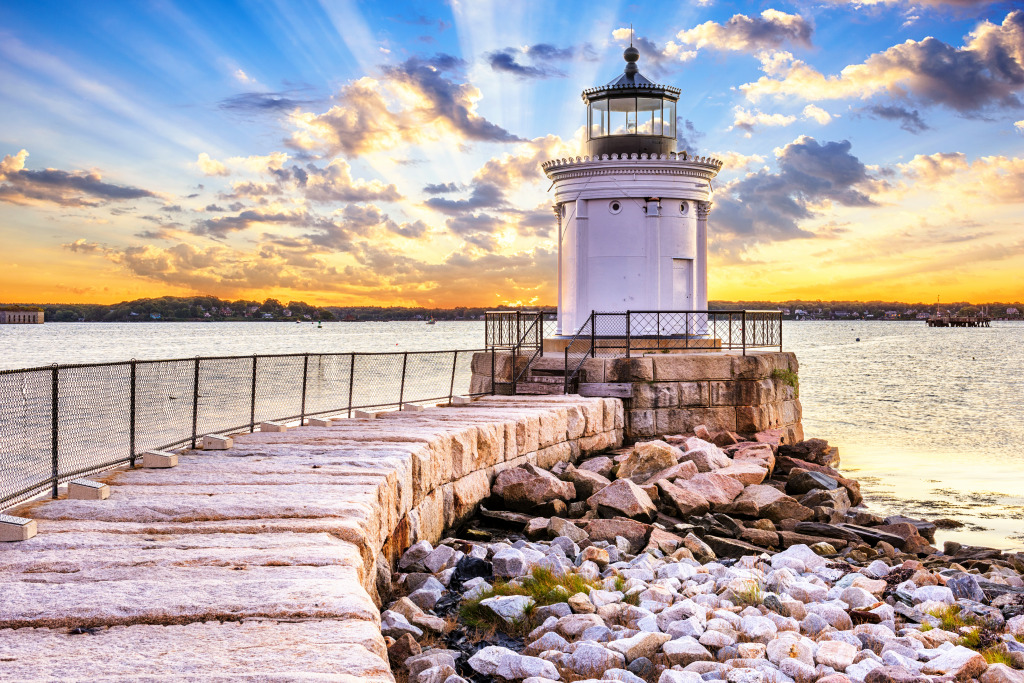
61, 422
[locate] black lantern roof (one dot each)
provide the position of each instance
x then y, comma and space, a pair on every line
631, 82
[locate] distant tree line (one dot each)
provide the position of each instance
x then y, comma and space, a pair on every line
873, 310
177, 309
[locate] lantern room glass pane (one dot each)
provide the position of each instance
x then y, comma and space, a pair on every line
622, 112
670, 118
599, 119
648, 115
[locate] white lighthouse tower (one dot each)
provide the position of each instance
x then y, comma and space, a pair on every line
632, 213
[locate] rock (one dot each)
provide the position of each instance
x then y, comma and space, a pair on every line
1000, 673
745, 473
664, 541
686, 650
623, 497
717, 489
508, 563
671, 676
702, 552
958, 661
430, 659
729, 547
587, 483
801, 481
469, 568
526, 494
395, 625
799, 553
412, 559
683, 470
499, 661
768, 502
965, 587
590, 660
636, 533
685, 501
505, 518
510, 608
646, 458
785, 648
581, 604
573, 625
810, 449
933, 594
641, 669
822, 547
760, 537
924, 528
508, 477
436, 674
836, 654
563, 527
598, 556
894, 674
601, 465
640, 645
757, 629
837, 499
706, 456
440, 558
402, 649
548, 641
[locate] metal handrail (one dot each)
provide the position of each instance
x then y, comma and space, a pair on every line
570, 377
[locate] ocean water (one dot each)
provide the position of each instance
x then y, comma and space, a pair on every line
931, 421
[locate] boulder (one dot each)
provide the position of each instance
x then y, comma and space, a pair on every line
625, 498
647, 458
587, 483
894, 674
768, 502
601, 465
729, 547
683, 470
642, 644
402, 649
686, 650
634, 532
801, 481
746, 473
526, 494
706, 456
510, 608
684, 500
563, 527
1000, 673
701, 551
590, 660
719, 490
958, 661
504, 663
810, 450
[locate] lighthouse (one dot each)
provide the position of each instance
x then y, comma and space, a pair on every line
632, 212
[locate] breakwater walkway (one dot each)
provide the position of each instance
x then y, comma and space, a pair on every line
266, 561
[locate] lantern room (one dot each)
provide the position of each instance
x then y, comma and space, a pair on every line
631, 115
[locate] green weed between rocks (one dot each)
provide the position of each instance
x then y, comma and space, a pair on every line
751, 596
543, 586
997, 656
788, 377
951, 619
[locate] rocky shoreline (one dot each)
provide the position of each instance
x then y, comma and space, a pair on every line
703, 557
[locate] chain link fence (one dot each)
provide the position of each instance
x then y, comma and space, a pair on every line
61, 422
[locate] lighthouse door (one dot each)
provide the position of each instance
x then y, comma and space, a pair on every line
682, 284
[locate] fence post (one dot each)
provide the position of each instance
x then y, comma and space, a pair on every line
629, 337
401, 390
743, 330
305, 376
780, 331
593, 334
351, 380
55, 439
195, 402
455, 365
252, 398
131, 418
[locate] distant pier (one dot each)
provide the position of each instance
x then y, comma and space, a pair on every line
959, 321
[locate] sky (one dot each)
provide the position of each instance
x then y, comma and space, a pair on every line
388, 153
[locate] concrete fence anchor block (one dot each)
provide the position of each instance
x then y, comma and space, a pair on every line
212, 442
84, 489
413, 408
318, 422
273, 427
363, 415
159, 459
13, 529
461, 400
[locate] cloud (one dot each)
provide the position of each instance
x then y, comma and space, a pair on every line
75, 188
82, 246
221, 227
654, 59
412, 103
913, 3
441, 188
211, 167
1019, 125
986, 72
749, 120
910, 120
998, 179
734, 161
264, 102
748, 34
816, 113
765, 206
334, 183
687, 135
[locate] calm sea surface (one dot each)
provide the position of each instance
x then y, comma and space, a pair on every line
930, 420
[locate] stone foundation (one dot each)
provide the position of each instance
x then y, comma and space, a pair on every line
673, 393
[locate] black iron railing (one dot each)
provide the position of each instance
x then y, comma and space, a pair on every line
624, 333
61, 422
521, 334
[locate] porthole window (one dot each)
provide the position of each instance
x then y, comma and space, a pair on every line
682, 207
615, 206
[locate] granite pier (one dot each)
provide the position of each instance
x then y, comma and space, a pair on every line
266, 561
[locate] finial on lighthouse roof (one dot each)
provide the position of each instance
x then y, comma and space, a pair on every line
631, 54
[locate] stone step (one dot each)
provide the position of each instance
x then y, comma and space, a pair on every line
536, 388
546, 379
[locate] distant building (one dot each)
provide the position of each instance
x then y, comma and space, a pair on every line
287, 312
923, 316
268, 316
1012, 311
155, 316
892, 315
19, 316
841, 314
